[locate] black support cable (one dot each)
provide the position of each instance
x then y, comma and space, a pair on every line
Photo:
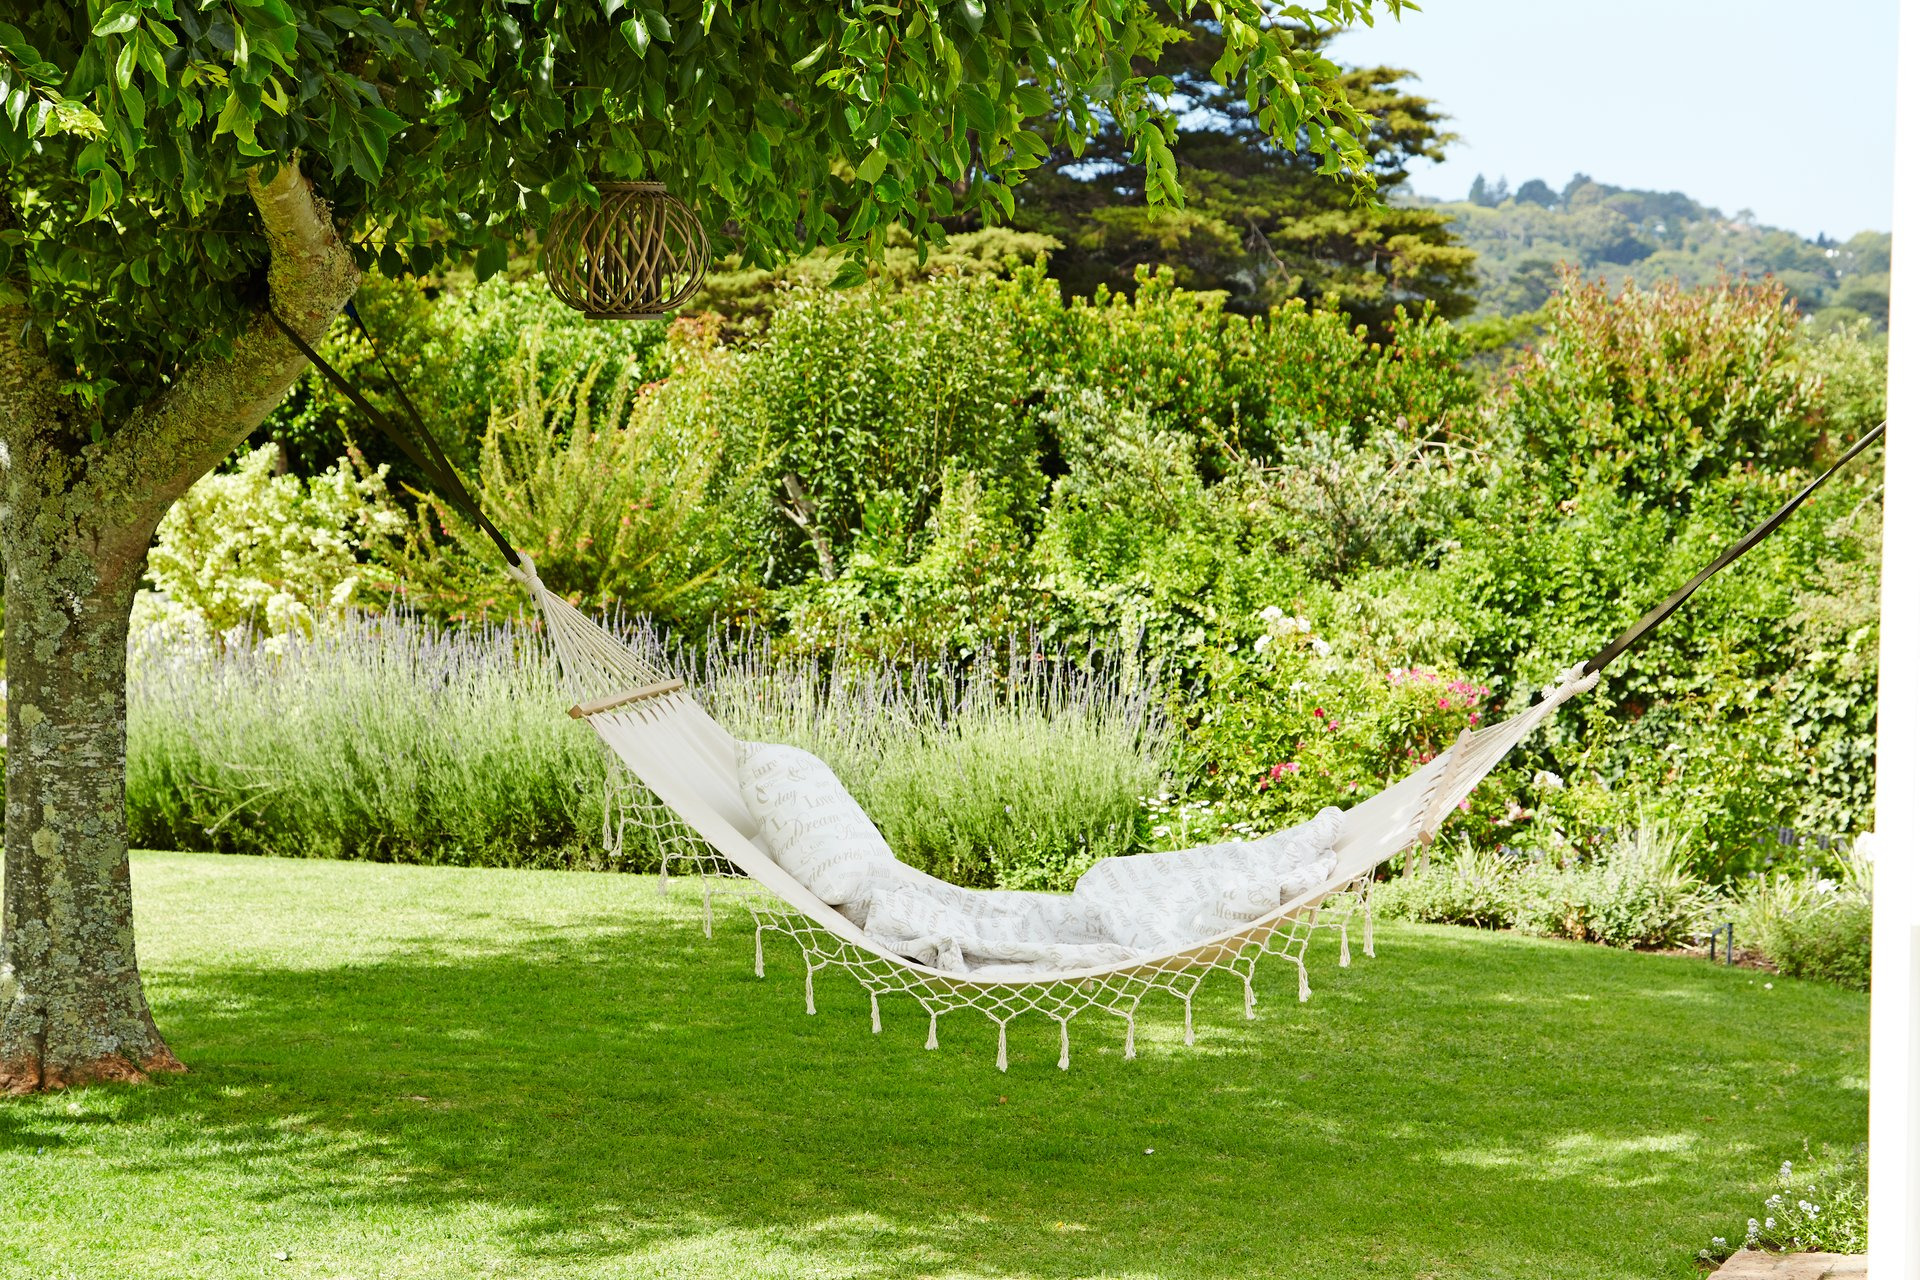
1755, 536
424, 454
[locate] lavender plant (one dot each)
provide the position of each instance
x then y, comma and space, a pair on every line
386, 737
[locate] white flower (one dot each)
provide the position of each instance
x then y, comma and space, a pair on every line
1769, 1224
1321, 647
1825, 886
1261, 642
1547, 780
1272, 613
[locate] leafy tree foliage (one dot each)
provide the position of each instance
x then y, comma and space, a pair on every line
1650, 236
457, 128
1258, 223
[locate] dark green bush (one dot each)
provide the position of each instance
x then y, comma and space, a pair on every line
1245, 387
1654, 393
864, 399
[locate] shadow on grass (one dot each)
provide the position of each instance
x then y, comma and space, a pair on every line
623, 1089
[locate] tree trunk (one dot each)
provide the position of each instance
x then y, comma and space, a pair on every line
79, 513
75, 1010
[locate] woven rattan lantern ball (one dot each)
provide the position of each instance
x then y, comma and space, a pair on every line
641, 253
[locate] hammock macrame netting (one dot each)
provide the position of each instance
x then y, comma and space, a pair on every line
678, 778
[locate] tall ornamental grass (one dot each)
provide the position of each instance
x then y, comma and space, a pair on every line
1638, 891
1812, 925
380, 737
1015, 771
389, 738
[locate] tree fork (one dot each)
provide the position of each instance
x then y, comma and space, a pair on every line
77, 518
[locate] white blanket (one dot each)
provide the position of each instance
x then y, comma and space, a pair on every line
1122, 909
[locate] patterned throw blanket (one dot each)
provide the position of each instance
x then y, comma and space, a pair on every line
1120, 910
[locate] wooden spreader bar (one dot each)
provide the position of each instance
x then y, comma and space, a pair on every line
593, 707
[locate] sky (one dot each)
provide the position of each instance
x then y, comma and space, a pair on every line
1782, 108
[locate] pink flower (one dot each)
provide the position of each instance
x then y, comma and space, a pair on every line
1319, 714
1463, 806
1473, 717
1444, 704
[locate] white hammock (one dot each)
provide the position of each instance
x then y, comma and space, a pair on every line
688, 762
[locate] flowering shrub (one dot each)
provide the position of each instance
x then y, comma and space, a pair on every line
1807, 1216
249, 548
1290, 725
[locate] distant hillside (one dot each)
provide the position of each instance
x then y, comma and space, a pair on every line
1522, 237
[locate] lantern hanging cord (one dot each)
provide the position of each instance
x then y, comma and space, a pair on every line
424, 451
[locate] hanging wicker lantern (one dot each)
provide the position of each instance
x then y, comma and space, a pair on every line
640, 253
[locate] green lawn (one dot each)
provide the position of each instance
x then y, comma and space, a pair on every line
410, 1072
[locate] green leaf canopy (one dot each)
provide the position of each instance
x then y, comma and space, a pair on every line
435, 129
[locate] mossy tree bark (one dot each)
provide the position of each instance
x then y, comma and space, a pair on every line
80, 507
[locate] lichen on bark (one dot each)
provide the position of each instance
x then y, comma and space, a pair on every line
76, 516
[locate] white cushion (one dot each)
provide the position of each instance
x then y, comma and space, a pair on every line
809, 824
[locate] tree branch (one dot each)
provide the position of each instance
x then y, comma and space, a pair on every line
176, 438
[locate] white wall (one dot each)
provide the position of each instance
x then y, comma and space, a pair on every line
1893, 1231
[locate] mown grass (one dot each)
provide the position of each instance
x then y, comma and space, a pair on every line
443, 1072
